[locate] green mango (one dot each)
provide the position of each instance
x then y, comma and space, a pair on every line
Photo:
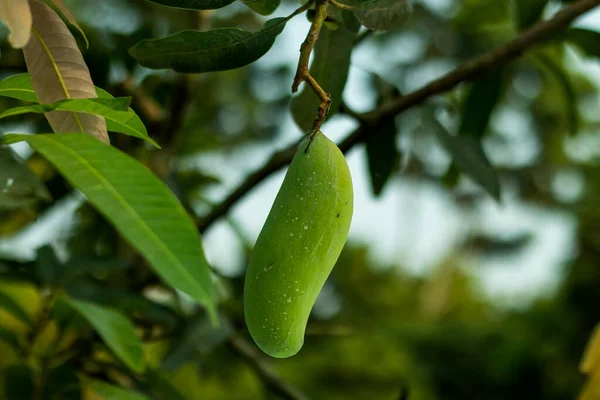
298, 246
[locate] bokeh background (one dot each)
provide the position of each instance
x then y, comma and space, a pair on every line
442, 292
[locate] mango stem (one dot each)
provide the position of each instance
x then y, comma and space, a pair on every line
303, 73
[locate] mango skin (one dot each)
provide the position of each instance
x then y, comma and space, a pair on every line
298, 247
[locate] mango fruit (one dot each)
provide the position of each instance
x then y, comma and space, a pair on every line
298, 246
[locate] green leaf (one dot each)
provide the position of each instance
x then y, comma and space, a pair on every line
329, 68
217, 50
129, 302
89, 106
49, 268
529, 12
350, 21
263, 7
19, 185
198, 337
161, 388
381, 15
470, 158
116, 331
194, 4
382, 155
80, 266
126, 121
9, 305
18, 384
481, 101
51, 271
11, 339
62, 383
137, 203
588, 41
570, 98
18, 87
112, 392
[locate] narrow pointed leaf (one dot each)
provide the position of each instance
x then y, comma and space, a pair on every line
130, 303
91, 106
198, 336
18, 380
570, 98
330, 68
16, 15
529, 12
382, 155
263, 7
350, 21
10, 338
217, 50
590, 363
116, 331
112, 392
194, 4
480, 103
470, 158
587, 40
59, 72
19, 87
127, 122
9, 305
48, 267
161, 387
139, 205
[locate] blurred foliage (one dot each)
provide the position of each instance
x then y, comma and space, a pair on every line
377, 332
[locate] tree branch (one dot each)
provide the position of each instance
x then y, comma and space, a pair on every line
303, 73
489, 61
464, 73
273, 382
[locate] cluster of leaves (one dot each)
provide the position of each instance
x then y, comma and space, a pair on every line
96, 325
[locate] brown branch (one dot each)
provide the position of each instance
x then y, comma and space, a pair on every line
342, 5
276, 162
489, 61
273, 382
303, 73
467, 72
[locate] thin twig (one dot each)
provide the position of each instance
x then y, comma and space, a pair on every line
341, 5
467, 72
300, 9
273, 382
303, 73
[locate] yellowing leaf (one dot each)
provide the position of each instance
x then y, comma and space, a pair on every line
591, 359
591, 389
16, 15
59, 72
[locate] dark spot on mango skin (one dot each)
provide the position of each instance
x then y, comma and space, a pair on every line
338, 215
